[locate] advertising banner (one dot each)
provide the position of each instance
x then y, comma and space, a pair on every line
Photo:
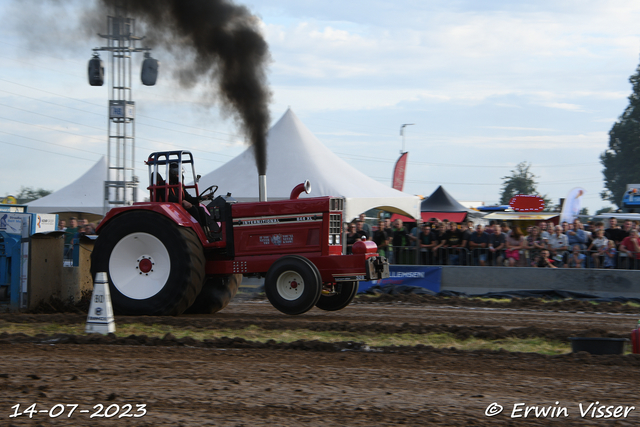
399, 172
37, 223
44, 222
572, 205
11, 223
427, 277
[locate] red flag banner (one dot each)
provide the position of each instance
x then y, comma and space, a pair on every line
398, 172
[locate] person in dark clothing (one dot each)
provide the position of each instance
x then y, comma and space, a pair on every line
158, 194
361, 231
352, 237
497, 242
438, 252
189, 202
381, 239
478, 244
614, 232
426, 241
400, 241
389, 230
174, 192
366, 227
438, 231
451, 241
466, 228
544, 261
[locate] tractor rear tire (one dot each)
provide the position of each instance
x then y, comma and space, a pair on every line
343, 298
293, 284
154, 266
216, 294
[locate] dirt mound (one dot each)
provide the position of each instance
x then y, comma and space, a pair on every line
514, 303
56, 305
169, 340
368, 328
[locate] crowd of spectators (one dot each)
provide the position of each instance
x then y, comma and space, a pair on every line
435, 242
545, 245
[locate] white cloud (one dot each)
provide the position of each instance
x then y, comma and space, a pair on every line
517, 128
343, 133
565, 142
565, 106
500, 52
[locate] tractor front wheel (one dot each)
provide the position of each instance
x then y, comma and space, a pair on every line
345, 293
154, 266
293, 284
216, 294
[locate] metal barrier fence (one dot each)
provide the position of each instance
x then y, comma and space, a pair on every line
411, 255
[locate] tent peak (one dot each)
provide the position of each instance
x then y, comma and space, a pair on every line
441, 201
85, 194
295, 155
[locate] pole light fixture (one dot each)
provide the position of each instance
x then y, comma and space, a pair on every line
402, 135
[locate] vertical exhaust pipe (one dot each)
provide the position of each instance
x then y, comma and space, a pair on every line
262, 188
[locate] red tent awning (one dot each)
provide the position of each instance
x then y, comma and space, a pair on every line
426, 216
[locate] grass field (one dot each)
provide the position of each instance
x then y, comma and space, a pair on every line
254, 333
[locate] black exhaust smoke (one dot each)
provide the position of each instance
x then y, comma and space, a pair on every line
224, 47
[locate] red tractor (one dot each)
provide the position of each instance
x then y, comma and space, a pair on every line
173, 255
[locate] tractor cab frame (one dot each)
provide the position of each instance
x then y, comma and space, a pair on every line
159, 168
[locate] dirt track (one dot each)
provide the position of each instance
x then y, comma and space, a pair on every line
232, 384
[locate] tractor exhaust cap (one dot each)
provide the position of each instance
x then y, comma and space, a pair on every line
298, 189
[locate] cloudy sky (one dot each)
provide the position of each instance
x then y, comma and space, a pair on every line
487, 84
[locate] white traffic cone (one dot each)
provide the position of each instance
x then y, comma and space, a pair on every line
100, 318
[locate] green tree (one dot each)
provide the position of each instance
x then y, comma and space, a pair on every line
521, 181
621, 159
29, 194
549, 206
604, 210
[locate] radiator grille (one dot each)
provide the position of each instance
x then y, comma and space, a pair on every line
336, 204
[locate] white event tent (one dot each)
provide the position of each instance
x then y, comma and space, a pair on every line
84, 195
294, 155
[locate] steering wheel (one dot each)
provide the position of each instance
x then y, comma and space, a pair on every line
211, 189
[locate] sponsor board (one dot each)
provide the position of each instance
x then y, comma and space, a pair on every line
11, 222
46, 222
428, 277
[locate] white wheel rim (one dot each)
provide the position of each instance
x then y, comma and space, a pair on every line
290, 285
139, 266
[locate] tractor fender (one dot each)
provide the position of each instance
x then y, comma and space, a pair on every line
173, 211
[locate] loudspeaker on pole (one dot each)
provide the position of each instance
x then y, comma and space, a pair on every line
100, 318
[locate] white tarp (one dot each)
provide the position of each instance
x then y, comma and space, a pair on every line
294, 155
86, 194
